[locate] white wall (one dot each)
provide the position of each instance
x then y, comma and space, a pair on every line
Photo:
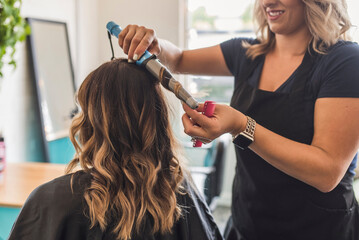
87, 42
161, 15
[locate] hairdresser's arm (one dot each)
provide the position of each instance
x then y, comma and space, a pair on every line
322, 164
134, 40
203, 61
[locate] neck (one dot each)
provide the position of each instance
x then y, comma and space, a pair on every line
293, 44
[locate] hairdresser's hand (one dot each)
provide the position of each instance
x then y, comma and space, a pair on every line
135, 40
225, 119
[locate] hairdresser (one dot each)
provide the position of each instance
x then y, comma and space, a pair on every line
293, 116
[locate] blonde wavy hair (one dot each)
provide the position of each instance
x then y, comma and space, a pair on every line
327, 20
123, 139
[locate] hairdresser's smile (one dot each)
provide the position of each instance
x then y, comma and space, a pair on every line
284, 17
274, 14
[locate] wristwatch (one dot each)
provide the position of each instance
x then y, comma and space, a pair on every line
243, 139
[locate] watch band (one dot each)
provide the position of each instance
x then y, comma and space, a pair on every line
243, 139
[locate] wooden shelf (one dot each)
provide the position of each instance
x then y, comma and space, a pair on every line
18, 180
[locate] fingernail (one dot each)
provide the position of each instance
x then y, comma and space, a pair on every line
135, 57
130, 60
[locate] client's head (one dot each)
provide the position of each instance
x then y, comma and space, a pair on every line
122, 136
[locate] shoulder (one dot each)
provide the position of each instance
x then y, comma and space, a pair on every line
234, 52
240, 40
342, 52
62, 185
65, 190
337, 71
235, 44
55, 210
341, 47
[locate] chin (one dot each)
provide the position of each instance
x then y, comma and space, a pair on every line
275, 30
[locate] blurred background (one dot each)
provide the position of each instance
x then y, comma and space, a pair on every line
69, 39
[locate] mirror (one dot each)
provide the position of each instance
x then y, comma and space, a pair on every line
54, 78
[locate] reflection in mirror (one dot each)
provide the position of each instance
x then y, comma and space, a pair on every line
53, 72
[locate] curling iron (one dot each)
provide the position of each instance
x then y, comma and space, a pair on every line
151, 63
208, 110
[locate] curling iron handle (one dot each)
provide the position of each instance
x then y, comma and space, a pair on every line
208, 111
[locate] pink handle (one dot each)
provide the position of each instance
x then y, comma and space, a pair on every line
208, 110
2, 155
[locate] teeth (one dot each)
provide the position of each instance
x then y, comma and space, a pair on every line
276, 13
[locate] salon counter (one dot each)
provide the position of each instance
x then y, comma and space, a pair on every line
19, 179
16, 183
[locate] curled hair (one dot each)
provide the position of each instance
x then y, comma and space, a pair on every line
123, 139
327, 21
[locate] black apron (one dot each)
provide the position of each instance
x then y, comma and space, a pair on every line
269, 204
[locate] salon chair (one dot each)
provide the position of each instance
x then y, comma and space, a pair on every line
209, 177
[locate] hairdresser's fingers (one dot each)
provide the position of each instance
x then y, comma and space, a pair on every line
196, 131
155, 48
225, 119
122, 35
194, 114
199, 124
128, 39
136, 40
192, 129
148, 42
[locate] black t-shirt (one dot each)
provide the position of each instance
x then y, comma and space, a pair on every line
54, 212
336, 73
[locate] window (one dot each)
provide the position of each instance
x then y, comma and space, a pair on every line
211, 22
353, 7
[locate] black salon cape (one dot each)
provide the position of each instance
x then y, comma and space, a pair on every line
54, 212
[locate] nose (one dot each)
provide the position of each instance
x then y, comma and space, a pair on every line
268, 3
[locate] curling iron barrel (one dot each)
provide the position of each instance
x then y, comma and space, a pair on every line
151, 63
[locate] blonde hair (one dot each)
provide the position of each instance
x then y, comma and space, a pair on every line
327, 20
123, 139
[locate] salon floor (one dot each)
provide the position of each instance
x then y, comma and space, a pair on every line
221, 215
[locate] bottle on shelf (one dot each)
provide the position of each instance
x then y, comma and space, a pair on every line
2, 153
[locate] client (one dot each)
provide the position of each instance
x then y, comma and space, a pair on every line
132, 184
